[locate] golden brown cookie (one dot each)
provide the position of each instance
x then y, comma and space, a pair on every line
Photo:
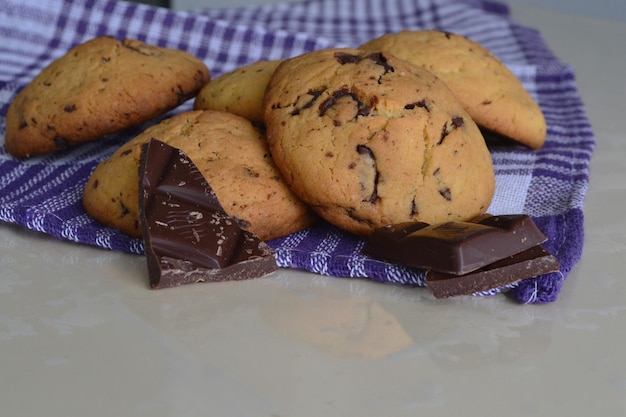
240, 91
233, 157
368, 139
99, 87
492, 95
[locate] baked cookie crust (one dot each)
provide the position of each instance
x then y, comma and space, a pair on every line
368, 139
492, 95
98, 88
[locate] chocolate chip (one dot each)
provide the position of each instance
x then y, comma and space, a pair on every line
344, 58
365, 150
69, 108
458, 121
414, 210
446, 193
362, 109
314, 96
377, 57
420, 104
125, 210
455, 123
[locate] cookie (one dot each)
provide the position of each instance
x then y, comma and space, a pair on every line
240, 91
492, 95
230, 153
99, 87
368, 139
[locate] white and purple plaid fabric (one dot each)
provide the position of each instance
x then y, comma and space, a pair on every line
44, 193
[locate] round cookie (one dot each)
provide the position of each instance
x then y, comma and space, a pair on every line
231, 154
368, 139
492, 95
99, 87
240, 91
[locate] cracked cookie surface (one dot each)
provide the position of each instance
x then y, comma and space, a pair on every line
368, 139
99, 87
492, 95
231, 155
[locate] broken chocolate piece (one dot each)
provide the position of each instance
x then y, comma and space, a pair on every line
527, 264
454, 247
187, 235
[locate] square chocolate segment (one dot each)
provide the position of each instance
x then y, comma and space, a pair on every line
527, 264
454, 247
187, 234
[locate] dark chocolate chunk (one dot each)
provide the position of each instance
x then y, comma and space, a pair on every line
361, 108
420, 104
527, 264
454, 247
344, 58
447, 129
187, 235
315, 94
377, 58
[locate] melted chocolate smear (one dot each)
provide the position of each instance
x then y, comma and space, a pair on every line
377, 57
314, 96
455, 123
344, 58
188, 237
362, 109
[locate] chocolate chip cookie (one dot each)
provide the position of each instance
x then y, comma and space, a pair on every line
492, 95
99, 87
239, 91
368, 139
231, 155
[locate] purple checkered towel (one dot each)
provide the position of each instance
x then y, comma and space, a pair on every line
44, 193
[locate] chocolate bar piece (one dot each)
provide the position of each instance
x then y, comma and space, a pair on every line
188, 237
530, 263
454, 247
